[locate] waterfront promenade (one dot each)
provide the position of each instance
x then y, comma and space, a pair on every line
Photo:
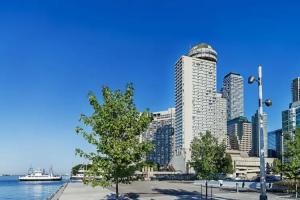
79, 191
156, 190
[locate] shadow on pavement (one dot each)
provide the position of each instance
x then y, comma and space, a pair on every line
185, 195
130, 196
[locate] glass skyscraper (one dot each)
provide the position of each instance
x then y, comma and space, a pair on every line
275, 143
296, 89
291, 118
256, 136
233, 92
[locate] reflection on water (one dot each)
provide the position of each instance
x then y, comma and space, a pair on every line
12, 189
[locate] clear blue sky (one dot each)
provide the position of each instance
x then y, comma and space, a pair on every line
53, 52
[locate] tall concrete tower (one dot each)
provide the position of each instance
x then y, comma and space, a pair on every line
296, 89
256, 136
199, 108
233, 92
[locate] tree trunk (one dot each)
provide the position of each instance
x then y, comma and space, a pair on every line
296, 190
117, 188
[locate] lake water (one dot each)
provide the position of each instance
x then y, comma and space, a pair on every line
12, 189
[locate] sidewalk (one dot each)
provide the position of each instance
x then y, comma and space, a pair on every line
79, 191
155, 191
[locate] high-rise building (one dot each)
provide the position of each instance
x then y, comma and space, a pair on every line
220, 125
198, 105
296, 89
233, 92
161, 133
240, 134
256, 136
291, 118
275, 143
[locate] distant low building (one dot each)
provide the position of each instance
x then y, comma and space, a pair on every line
245, 166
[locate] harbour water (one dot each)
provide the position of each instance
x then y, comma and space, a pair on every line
12, 189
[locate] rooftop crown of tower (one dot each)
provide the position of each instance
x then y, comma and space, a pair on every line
203, 51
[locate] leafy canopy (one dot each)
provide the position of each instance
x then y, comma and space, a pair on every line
292, 155
114, 130
209, 158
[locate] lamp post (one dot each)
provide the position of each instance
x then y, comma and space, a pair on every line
268, 102
282, 136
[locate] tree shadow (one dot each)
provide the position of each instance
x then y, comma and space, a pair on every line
129, 196
133, 196
186, 195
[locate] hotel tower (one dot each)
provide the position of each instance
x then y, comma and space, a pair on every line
199, 108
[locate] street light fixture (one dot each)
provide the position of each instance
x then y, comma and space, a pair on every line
268, 103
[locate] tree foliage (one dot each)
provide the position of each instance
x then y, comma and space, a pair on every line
292, 156
114, 129
209, 158
276, 169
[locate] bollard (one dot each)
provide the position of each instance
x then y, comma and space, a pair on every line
237, 187
296, 191
206, 192
201, 191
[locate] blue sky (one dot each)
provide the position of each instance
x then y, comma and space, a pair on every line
53, 52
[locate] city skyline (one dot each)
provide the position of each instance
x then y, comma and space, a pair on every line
53, 54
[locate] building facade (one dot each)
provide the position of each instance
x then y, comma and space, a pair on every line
240, 134
296, 89
220, 125
275, 143
233, 92
256, 137
291, 118
245, 166
161, 133
198, 106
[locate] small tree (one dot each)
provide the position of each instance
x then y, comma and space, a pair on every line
208, 157
292, 155
276, 169
227, 166
116, 126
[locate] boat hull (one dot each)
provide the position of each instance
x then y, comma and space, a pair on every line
76, 178
40, 179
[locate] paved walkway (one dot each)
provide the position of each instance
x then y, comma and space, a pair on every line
78, 191
154, 190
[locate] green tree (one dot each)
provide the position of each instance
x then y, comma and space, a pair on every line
208, 157
75, 169
292, 156
114, 129
276, 169
227, 166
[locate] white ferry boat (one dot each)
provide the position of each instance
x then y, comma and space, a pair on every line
39, 175
79, 175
